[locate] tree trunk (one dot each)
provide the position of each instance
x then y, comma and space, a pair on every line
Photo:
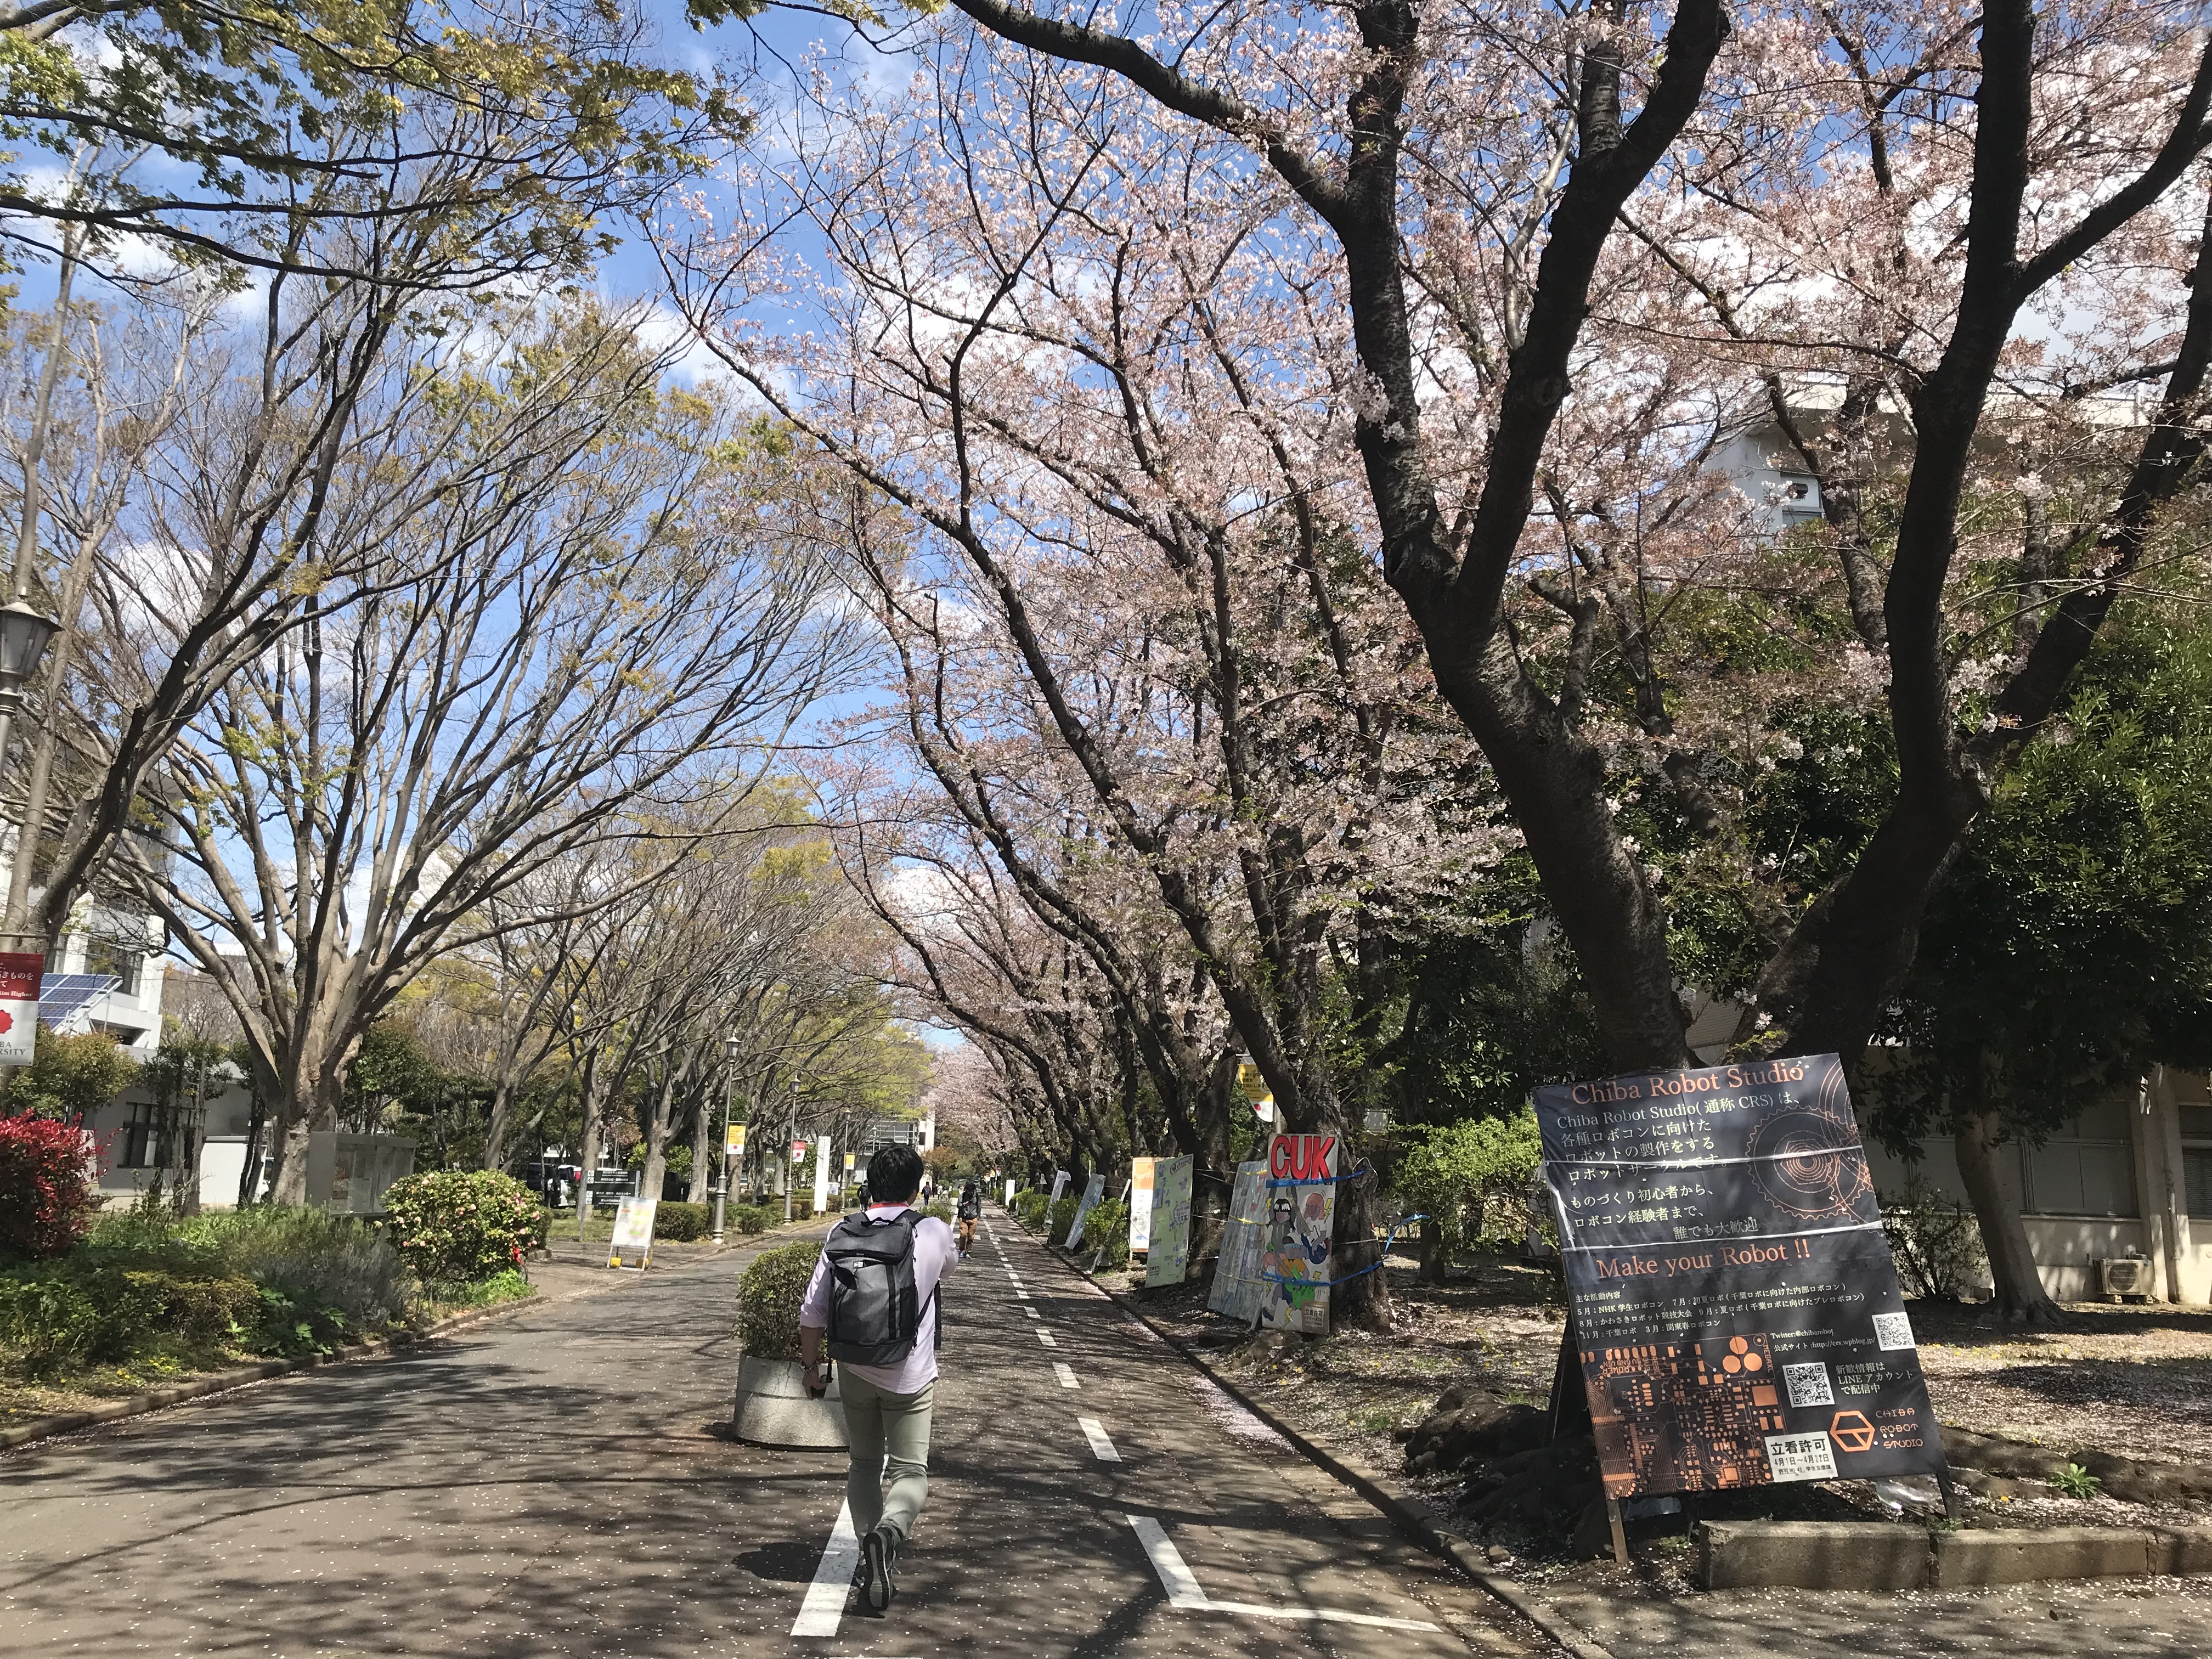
703, 1124
1360, 1302
1993, 1187
659, 1124
1432, 1252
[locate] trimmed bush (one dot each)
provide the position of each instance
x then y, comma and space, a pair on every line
47, 1199
683, 1223
1059, 1218
943, 1212
457, 1226
67, 1313
751, 1219
1029, 1209
768, 1296
1108, 1226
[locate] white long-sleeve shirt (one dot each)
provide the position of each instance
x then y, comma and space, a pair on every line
936, 1252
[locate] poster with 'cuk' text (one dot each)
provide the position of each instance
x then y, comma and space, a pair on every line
1736, 1312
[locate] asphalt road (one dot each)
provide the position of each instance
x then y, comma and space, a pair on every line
549, 1485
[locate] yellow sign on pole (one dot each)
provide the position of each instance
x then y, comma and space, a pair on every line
851, 1158
733, 1139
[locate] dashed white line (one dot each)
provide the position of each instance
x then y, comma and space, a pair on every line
1021, 1295
1066, 1377
1045, 1337
1183, 1591
1031, 1312
818, 1615
1095, 1432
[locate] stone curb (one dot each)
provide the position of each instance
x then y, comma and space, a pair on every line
239, 1376
1376, 1489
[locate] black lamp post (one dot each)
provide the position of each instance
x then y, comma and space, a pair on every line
730, 1047
24, 635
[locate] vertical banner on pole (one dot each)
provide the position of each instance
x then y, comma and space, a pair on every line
20, 972
733, 1141
1167, 1257
823, 1155
1296, 1265
1236, 1286
1140, 1206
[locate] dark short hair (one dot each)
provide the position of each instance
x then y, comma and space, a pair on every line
894, 1176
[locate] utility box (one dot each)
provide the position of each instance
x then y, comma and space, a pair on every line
347, 1174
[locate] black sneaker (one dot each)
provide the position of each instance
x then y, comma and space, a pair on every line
878, 1556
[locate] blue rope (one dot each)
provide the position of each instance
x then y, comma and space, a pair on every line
1324, 1283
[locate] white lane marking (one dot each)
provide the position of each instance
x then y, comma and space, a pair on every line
1101, 1447
1066, 1377
1183, 1588
818, 1615
1031, 1312
1046, 1337
1021, 1295
1176, 1578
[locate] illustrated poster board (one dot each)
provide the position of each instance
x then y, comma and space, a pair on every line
1093, 1190
1236, 1286
1297, 1260
1140, 1205
22, 974
1169, 1256
633, 1233
1737, 1316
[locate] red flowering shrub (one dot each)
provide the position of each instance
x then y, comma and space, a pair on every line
46, 1192
461, 1226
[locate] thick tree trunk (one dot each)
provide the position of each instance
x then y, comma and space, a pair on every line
1432, 1252
1361, 1302
703, 1121
659, 1125
1992, 1184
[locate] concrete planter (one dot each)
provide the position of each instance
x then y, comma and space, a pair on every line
773, 1409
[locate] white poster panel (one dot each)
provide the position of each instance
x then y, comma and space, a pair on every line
1237, 1285
824, 1157
633, 1231
1010, 1192
1059, 1178
1093, 1190
1140, 1203
1168, 1259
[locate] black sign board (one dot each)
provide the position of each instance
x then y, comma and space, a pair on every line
1736, 1311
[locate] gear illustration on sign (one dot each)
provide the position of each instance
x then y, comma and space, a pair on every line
1808, 1159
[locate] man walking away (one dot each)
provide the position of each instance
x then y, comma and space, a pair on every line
971, 1212
874, 1297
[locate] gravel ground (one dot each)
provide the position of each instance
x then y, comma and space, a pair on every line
2135, 1381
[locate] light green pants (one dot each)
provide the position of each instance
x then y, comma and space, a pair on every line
890, 1476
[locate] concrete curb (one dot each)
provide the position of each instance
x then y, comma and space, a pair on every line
1376, 1489
239, 1376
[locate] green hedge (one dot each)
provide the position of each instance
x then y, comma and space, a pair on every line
1059, 1218
751, 1219
1029, 1209
768, 1296
681, 1223
1108, 1226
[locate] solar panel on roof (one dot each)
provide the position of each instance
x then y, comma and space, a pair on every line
61, 996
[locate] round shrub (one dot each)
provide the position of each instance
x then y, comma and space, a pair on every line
1058, 1219
457, 1226
1107, 1228
47, 1194
751, 1219
768, 1296
683, 1223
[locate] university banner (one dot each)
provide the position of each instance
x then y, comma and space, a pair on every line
1167, 1257
1297, 1265
22, 974
1736, 1312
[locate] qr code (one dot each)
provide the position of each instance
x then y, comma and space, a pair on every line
1893, 1331
1801, 1457
1808, 1384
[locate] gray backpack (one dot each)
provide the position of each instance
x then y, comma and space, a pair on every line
874, 1313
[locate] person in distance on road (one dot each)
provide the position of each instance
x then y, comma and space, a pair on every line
872, 1304
969, 1212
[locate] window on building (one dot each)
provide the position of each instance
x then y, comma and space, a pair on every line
2088, 1168
125, 958
141, 1147
2197, 1180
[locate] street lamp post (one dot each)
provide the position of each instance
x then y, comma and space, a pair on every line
729, 1046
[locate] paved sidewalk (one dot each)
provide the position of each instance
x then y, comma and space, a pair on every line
550, 1486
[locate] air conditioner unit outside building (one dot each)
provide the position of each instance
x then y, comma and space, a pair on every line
2124, 1276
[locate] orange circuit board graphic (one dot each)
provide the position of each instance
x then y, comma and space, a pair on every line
1687, 1417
